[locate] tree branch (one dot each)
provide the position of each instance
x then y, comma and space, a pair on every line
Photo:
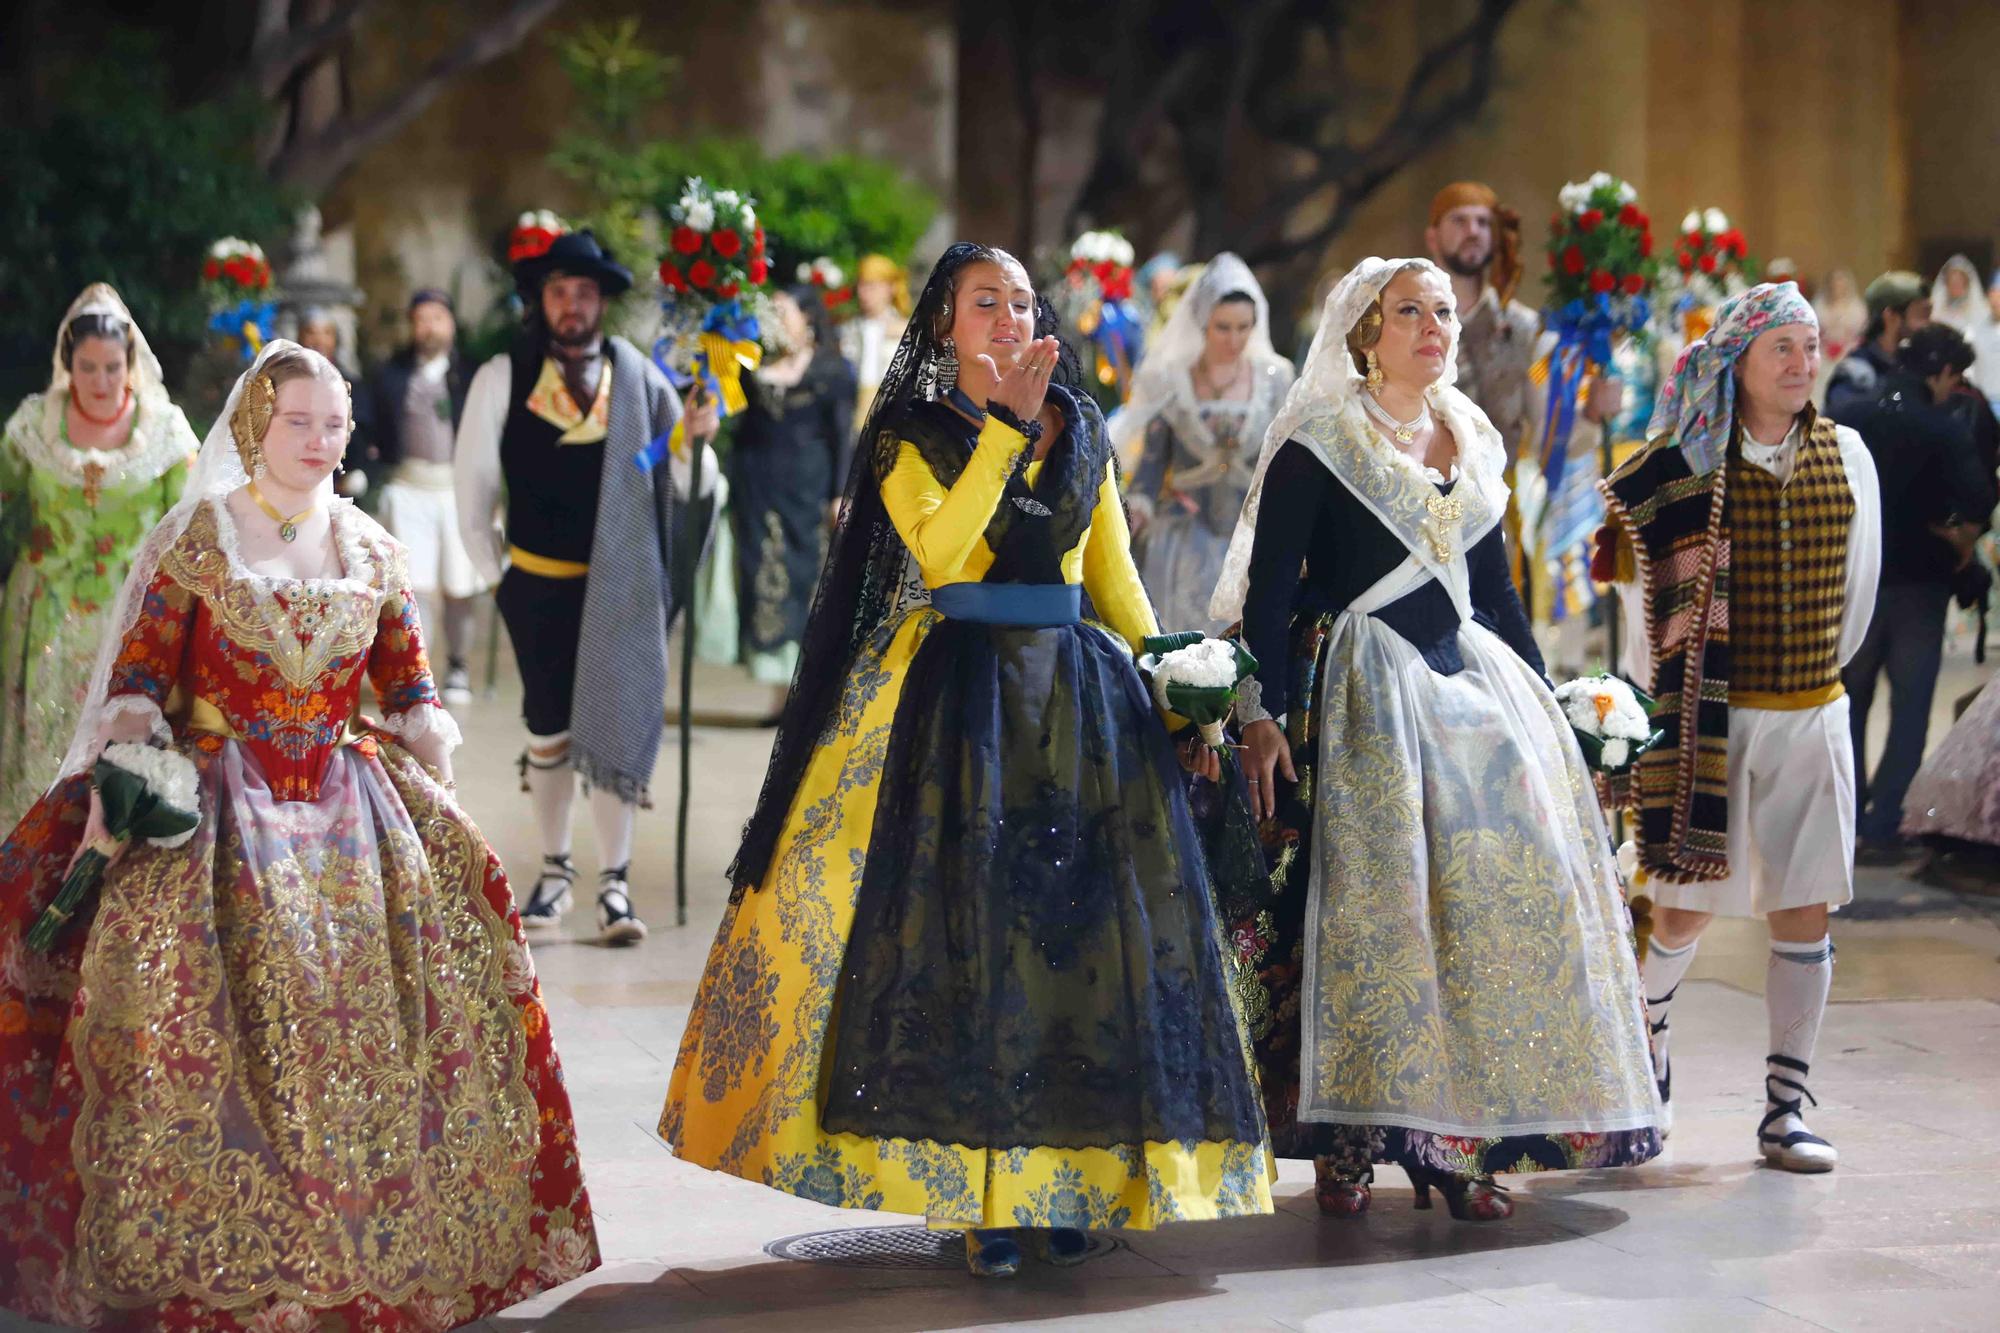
276, 53
316, 163
1355, 173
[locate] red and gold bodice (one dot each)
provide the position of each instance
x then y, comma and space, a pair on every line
277, 663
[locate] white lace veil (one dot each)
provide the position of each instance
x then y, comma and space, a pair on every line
1326, 385
1968, 313
149, 385
1164, 375
218, 470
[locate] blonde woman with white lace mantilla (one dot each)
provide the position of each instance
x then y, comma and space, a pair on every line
1201, 401
86, 468
1444, 980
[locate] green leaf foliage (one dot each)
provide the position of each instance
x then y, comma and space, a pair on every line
116, 182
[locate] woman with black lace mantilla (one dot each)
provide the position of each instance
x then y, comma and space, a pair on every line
972, 966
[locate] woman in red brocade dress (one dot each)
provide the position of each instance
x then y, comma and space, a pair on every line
295, 1074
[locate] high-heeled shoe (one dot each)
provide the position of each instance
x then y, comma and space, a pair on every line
1469, 1198
1061, 1247
1339, 1196
993, 1253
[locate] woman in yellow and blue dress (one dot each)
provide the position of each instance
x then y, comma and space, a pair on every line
971, 968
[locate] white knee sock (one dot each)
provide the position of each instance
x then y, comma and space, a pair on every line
1660, 976
1796, 981
552, 790
614, 821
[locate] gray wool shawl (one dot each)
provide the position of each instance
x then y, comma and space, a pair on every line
621, 662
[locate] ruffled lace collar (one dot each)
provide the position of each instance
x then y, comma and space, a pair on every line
160, 440
360, 570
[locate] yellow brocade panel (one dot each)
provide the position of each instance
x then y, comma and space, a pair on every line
744, 1098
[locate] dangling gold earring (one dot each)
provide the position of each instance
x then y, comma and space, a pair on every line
257, 461
1375, 377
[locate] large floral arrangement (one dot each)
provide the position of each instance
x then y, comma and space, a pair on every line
1095, 298
1601, 264
830, 277
236, 280
1711, 264
533, 234
713, 271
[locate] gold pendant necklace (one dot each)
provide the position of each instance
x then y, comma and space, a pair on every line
1404, 431
288, 528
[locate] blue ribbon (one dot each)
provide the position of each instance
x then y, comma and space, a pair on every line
1023, 605
229, 322
726, 319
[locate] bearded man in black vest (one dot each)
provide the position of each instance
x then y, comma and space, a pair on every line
569, 429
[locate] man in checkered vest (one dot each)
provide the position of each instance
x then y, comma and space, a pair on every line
1746, 539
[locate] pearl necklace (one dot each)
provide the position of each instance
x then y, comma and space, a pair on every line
1404, 431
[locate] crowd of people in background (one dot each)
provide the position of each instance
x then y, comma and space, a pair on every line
1050, 963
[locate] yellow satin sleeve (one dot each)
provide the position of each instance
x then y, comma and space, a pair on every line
945, 528
1109, 575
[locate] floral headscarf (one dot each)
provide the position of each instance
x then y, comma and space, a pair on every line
1698, 401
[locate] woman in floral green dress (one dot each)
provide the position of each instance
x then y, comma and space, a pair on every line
86, 469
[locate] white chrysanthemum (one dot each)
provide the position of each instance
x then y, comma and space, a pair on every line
1124, 254
805, 272
727, 200
1616, 752
1626, 194
167, 774
1716, 219
699, 214
1692, 222
1210, 663
1628, 860
1599, 179
749, 218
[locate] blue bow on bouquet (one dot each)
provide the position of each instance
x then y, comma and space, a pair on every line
251, 323
714, 354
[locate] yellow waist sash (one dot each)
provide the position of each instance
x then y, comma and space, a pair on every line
547, 566
1778, 701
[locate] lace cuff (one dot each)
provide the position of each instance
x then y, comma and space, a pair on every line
1031, 429
423, 721
112, 725
1250, 704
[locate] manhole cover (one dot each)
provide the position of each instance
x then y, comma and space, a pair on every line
892, 1247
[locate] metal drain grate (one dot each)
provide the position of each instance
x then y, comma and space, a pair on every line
892, 1247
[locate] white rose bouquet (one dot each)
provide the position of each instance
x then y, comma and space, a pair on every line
1612, 721
1197, 676
147, 793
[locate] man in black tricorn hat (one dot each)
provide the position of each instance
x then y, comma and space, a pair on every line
563, 426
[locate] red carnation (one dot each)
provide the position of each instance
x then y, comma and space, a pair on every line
670, 277
727, 291
1737, 244
1587, 220
1693, 240
1555, 222
702, 274
1635, 283
687, 240
1630, 216
1707, 263
1645, 245
727, 243
212, 269
1600, 281
839, 296
759, 270
1573, 260
1686, 261
757, 241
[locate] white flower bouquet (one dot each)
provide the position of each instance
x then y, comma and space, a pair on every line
147, 793
1196, 676
1612, 721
